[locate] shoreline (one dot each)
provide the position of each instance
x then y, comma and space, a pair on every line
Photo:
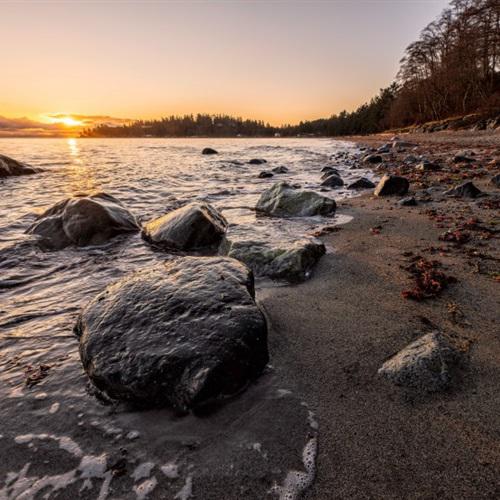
377, 440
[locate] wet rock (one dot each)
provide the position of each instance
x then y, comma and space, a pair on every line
290, 261
462, 159
495, 180
282, 200
428, 166
372, 159
408, 202
179, 334
333, 181
329, 172
425, 364
280, 170
257, 161
465, 190
209, 151
10, 167
193, 226
392, 184
264, 174
386, 148
83, 220
362, 183
401, 145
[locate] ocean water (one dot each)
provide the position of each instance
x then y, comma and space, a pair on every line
41, 293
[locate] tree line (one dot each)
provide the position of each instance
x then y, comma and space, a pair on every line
453, 69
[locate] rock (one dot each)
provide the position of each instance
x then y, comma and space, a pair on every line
209, 151
386, 148
257, 161
372, 159
265, 175
392, 184
495, 180
328, 173
408, 202
179, 334
10, 167
362, 183
83, 220
282, 200
411, 159
280, 170
427, 166
330, 170
291, 261
402, 145
191, 227
465, 190
333, 181
463, 159
425, 364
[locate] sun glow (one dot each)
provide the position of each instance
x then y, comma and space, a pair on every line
66, 120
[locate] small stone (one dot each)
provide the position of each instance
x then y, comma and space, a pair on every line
408, 202
362, 183
265, 175
280, 170
209, 151
257, 161
391, 185
495, 180
333, 181
373, 159
465, 190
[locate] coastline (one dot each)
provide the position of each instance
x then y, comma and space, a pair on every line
332, 333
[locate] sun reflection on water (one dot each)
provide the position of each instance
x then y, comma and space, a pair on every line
80, 178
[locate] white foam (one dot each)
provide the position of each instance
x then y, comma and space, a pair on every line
145, 488
143, 470
186, 491
171, 470
296, 482
133, 435
54, 408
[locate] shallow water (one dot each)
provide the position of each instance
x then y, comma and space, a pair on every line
41, 293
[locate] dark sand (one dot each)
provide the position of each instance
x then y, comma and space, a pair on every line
332, 333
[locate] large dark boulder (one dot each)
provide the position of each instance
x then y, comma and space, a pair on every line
209, 151
290, 261
362, 183
465, 190
392, 184
333, 180
10, 167
193, 226
179, 334
426, 364
282, 200
83, 220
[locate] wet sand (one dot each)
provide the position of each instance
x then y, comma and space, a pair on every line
332, 333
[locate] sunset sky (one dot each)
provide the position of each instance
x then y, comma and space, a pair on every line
72, 63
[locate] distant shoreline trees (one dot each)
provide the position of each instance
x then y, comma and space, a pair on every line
453, 69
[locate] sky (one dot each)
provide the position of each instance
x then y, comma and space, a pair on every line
70, 63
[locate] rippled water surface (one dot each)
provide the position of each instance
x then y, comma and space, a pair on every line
41, 292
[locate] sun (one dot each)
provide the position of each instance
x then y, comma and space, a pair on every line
69, 121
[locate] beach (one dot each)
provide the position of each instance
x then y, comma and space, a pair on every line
320, 397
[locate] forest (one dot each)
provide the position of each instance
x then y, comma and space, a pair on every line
453, 69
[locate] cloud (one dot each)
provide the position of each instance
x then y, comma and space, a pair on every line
26, 127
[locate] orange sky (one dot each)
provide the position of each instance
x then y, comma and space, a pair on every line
280, 61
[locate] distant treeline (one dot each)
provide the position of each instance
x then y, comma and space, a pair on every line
453, 69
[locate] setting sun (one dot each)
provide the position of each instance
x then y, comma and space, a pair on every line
68, 121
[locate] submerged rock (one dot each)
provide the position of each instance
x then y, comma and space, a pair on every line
408, 202
392, 184
209, 151
280, 170
372, 159
265, 175
10, 167
333, 181
193, 226
291, 261
257, 161
425, 364
329, 172
83, 220
362, 183
282, 200
179, 334
465, 190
